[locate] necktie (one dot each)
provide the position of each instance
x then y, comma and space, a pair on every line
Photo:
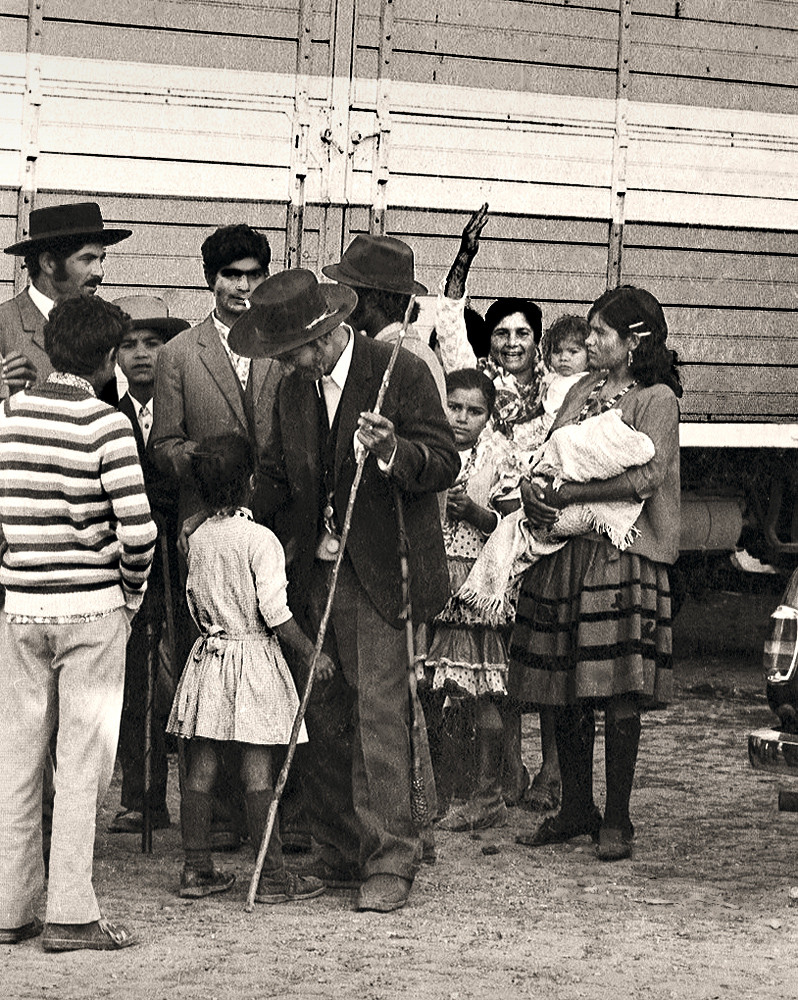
145, 422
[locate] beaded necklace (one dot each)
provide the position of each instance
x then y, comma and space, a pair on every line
593, 405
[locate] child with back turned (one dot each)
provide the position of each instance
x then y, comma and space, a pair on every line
236, 685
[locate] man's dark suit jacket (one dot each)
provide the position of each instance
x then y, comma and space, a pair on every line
22, 329
162, 491
426, 462
197, 394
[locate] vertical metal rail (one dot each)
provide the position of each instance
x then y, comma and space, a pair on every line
620, 148
295, 223
29, 153
380, 172
337, 171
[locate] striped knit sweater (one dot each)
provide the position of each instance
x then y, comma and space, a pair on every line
77, 536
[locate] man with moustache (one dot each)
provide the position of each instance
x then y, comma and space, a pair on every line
200, 383
64, 255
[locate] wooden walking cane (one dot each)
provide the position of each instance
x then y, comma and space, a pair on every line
419, 801
152, 660
303, 704
146, 813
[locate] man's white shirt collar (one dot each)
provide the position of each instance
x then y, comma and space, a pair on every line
341, 370
40, 300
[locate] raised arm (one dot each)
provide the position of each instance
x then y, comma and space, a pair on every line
450, 324
455, 287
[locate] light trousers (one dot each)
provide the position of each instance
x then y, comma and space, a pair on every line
74, 673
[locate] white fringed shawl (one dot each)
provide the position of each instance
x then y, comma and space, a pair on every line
600, 447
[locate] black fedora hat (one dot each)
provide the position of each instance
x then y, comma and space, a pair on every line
287, 311
148, 312
60, 222
381, 262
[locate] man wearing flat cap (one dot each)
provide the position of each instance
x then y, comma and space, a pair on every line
357, 781
381, 269
150, 328
64, 254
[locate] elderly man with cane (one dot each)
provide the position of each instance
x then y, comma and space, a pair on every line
359, 775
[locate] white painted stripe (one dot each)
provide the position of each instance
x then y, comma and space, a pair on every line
742, 435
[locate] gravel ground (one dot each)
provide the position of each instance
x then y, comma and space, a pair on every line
701, 910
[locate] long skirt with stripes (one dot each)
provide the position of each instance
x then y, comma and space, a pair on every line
592, 623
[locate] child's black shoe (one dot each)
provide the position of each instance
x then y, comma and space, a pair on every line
285, 887
195, 883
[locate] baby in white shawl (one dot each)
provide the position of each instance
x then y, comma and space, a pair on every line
600, 447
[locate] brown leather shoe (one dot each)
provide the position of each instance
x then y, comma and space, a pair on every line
383, 893
14, 935
333, 878
132, 821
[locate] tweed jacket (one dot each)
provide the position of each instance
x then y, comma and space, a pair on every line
197, 394
426, 462
22, 329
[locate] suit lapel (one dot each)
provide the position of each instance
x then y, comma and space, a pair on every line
32, 320
258, 371
214, 357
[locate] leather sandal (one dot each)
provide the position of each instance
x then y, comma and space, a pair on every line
556, 830
100, 935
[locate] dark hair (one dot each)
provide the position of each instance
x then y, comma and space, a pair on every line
231, 243
472, 378
502, 308
565, 327
477, 332
60, 249
392, 304
629, 310
81, 331
222, 466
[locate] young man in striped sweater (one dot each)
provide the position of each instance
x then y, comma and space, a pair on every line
76, 544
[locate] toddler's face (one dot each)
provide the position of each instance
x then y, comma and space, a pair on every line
569, 357
468, 414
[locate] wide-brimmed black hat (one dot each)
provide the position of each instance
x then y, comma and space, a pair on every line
59, 222
287, 311
381, 262
148, 312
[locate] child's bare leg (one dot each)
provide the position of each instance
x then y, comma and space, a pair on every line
544, 794
515, 777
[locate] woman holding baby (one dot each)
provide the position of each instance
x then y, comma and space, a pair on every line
593, 623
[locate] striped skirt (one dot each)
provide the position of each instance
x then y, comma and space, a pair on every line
592, 622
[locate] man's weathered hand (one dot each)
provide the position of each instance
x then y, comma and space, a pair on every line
18, 371
376, 433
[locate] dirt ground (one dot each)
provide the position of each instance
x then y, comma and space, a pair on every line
701, 910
